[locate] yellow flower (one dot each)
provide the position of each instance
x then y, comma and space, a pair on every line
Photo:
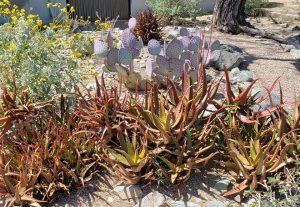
49, 4
14, 18
63, 10
31, 16
76, 54
7, 2
11, 47
6, 11
72, 9
39, 22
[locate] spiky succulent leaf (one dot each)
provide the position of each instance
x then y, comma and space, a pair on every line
148, 26
154, 47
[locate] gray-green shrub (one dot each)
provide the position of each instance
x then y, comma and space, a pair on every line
171, 10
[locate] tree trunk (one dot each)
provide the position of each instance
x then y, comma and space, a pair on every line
230, 17
230, 14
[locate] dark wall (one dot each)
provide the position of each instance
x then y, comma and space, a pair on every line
107, 9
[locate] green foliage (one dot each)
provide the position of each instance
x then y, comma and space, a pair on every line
82, 45
34, 60
171, 10
282, 189
252, 6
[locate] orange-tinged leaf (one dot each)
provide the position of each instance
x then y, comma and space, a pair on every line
239, 188
242, 97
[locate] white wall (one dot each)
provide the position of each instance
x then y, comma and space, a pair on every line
138, 5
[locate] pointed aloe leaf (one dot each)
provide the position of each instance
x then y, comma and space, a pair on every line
171, 165
119, 157
162, 112
173, 92
229, 93
242, 97
268, 92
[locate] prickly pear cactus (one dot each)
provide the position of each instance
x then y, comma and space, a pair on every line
166, 59
154, 47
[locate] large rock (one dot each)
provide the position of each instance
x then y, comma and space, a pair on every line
215, 203
126, 192
231, 56
295, 53
173, 33
236, 75
153, 199
269, 102
184, 204
222, 186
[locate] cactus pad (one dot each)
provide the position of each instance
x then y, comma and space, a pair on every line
174, 48
128, 38
195, 44
100, 48
184, 32
135, 53
125, 56
162, 62
154, 47
112, 56
186, 56
132, 23
185, 42
176, 66
110, 40
139, 44
195, 60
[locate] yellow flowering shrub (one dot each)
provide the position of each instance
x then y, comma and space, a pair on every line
33, 57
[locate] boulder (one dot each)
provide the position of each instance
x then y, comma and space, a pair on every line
222, 186
184, 204
215, 203
153, 199
126, 192
245, 76
272, 100
295, 53
231, 56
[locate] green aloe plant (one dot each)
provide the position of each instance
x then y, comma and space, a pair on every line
256, 154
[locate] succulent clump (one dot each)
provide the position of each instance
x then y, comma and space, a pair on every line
148, 26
